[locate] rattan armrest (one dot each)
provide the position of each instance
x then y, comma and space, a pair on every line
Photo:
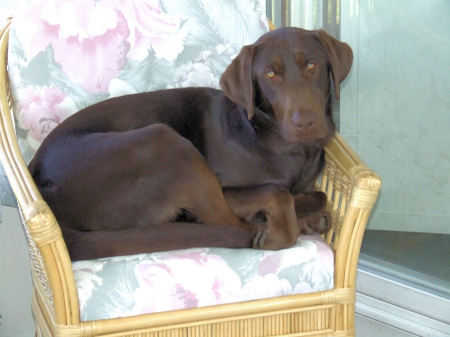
352, 189
51, 265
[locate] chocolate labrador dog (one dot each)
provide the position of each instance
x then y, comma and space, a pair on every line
198, 166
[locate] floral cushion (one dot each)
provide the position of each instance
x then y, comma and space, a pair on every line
65, 55
190, 278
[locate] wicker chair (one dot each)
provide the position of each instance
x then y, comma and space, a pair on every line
352, 189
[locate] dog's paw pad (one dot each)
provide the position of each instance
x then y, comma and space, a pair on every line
317, 222
324, 224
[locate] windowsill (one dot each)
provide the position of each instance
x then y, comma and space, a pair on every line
398, 303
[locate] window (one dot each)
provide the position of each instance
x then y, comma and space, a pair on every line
394, 111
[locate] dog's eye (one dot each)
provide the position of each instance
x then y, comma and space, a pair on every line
270, 74
310, 66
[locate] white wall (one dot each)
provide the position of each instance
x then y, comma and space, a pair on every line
15, 278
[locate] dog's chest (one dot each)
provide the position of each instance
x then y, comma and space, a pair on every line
240, 167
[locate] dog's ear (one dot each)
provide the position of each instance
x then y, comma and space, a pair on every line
237, 80
341, 58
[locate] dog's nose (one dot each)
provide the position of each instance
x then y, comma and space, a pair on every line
304, 120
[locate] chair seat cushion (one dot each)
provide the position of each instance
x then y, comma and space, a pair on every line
189, 278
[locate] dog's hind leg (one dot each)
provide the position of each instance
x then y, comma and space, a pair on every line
140, 181
181, 178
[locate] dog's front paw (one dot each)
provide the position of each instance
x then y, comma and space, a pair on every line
308, 203
316, 222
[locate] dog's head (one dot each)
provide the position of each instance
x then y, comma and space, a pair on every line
286, 75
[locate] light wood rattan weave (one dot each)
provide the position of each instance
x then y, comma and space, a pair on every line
352, 189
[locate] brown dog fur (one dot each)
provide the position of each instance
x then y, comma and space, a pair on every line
197, 166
